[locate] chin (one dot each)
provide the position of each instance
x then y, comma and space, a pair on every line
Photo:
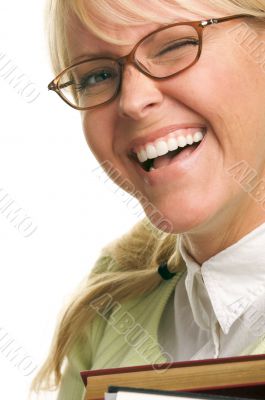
183, 218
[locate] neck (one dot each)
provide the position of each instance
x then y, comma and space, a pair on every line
204, 242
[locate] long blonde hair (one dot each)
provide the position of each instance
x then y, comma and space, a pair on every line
144, 247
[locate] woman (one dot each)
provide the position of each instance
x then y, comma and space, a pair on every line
179, 124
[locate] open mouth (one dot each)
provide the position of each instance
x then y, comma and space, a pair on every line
155, 163
182, 151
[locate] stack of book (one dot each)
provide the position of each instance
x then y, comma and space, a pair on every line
238, 377
124, 393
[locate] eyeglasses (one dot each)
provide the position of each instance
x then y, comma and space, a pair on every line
161, 54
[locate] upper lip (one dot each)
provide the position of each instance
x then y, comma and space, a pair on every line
160, 133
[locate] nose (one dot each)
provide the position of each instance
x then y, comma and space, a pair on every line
139, 95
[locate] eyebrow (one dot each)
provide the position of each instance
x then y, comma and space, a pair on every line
87, 56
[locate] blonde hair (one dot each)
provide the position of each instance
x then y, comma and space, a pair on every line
144, 247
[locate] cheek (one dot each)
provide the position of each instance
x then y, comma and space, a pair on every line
221, 91
199, 89
231, 96
97, 128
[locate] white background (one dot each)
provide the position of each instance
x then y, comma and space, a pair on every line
46, 168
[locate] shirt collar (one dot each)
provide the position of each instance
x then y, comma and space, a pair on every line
234, 278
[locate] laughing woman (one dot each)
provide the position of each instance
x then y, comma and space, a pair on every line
172, 95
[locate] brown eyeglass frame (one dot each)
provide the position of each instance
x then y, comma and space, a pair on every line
130, 58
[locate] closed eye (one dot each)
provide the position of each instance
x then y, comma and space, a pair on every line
177, 45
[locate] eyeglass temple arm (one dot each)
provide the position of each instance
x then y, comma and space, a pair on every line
53, 86
223, 19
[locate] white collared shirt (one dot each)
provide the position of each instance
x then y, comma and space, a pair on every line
218, 308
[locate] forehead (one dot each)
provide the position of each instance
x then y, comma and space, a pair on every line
82, 42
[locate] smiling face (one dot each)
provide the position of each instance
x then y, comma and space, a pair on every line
222, 95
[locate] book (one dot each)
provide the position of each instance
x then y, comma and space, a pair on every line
242, 376
125, 393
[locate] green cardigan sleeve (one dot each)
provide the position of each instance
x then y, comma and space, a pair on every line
82, 355
81, 358
71, 386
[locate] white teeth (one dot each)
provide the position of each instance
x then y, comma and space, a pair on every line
172, 144
142, 156
161, 148
151, 151
182, 141
197, 137
189, 139
169, 143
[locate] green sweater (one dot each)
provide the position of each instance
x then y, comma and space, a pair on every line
127, 336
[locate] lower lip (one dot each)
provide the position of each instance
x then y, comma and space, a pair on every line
176, 169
